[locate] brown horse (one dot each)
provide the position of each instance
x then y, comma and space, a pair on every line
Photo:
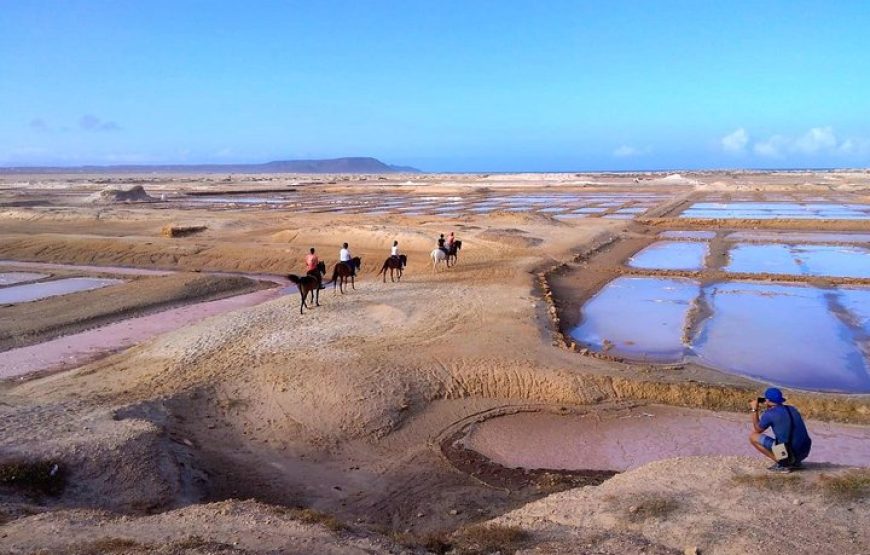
309, 283
395, 266
453, 252
342, 271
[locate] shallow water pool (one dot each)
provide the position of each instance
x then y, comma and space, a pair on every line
639, 317
621, 439
807, 260
786, 334
781, 333
11, 278
35, 291
777, 210
671, 255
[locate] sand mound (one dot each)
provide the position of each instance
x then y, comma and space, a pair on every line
717, 504
110, 195
675, 179
511, 237
359, 237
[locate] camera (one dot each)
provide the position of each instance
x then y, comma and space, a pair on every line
761, 400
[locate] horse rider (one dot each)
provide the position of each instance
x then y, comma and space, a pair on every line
394, 251
441, 244
450, 240
311, 262
345, 257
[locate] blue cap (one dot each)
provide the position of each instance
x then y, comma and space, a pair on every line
774, 395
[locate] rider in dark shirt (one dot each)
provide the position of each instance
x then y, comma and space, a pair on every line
441, 243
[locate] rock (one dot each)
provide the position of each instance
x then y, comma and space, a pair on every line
691, 551
420, 515
454, 512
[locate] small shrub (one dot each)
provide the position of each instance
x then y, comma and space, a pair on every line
773, 482
45, 477
651, 507
432, 542
491, 539
106, 545
850, 485
311, 516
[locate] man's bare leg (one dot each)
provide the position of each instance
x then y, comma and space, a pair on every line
755, 440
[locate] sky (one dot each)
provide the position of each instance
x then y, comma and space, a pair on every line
441, 85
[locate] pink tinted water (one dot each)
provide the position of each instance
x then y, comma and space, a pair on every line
74, 350
625, 439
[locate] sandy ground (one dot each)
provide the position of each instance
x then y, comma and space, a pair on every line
340, 410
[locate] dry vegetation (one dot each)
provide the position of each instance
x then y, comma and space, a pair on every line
851, 485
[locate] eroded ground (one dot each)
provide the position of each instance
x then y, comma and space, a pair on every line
334, 422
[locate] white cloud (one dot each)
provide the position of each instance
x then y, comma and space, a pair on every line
90, 122
627, 151
736, 141
816, 141
772, 147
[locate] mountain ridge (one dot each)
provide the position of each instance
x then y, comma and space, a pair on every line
349, 164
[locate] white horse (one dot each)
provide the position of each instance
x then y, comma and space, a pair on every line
438, 257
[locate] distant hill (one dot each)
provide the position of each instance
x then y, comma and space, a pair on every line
334, 165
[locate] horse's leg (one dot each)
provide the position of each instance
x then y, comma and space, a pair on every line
301, 294
351, 282
316, 293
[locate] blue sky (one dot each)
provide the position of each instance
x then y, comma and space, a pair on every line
441, 85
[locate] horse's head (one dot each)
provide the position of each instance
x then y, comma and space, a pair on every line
403, 259
458, 244
357, 262
321, 267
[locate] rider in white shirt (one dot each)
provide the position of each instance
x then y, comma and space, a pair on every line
394, 251
345, 256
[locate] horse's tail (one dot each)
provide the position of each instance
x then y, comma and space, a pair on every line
294, 278
383, 270
335, 272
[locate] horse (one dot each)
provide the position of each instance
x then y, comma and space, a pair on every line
309, 283
394, 265
453, 252
438, 256
342, 271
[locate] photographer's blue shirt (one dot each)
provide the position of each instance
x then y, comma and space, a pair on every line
777, 418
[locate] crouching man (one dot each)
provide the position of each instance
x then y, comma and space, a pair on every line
788, 429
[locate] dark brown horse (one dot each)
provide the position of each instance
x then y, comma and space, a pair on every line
342, 271
309, 283
453, 252
395, 265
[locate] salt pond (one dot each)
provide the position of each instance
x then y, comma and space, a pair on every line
781, 333
671, 255
777, 210
788, 334
627, 438
641, 317
35, 291
11, 278
808, 260
757, 236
